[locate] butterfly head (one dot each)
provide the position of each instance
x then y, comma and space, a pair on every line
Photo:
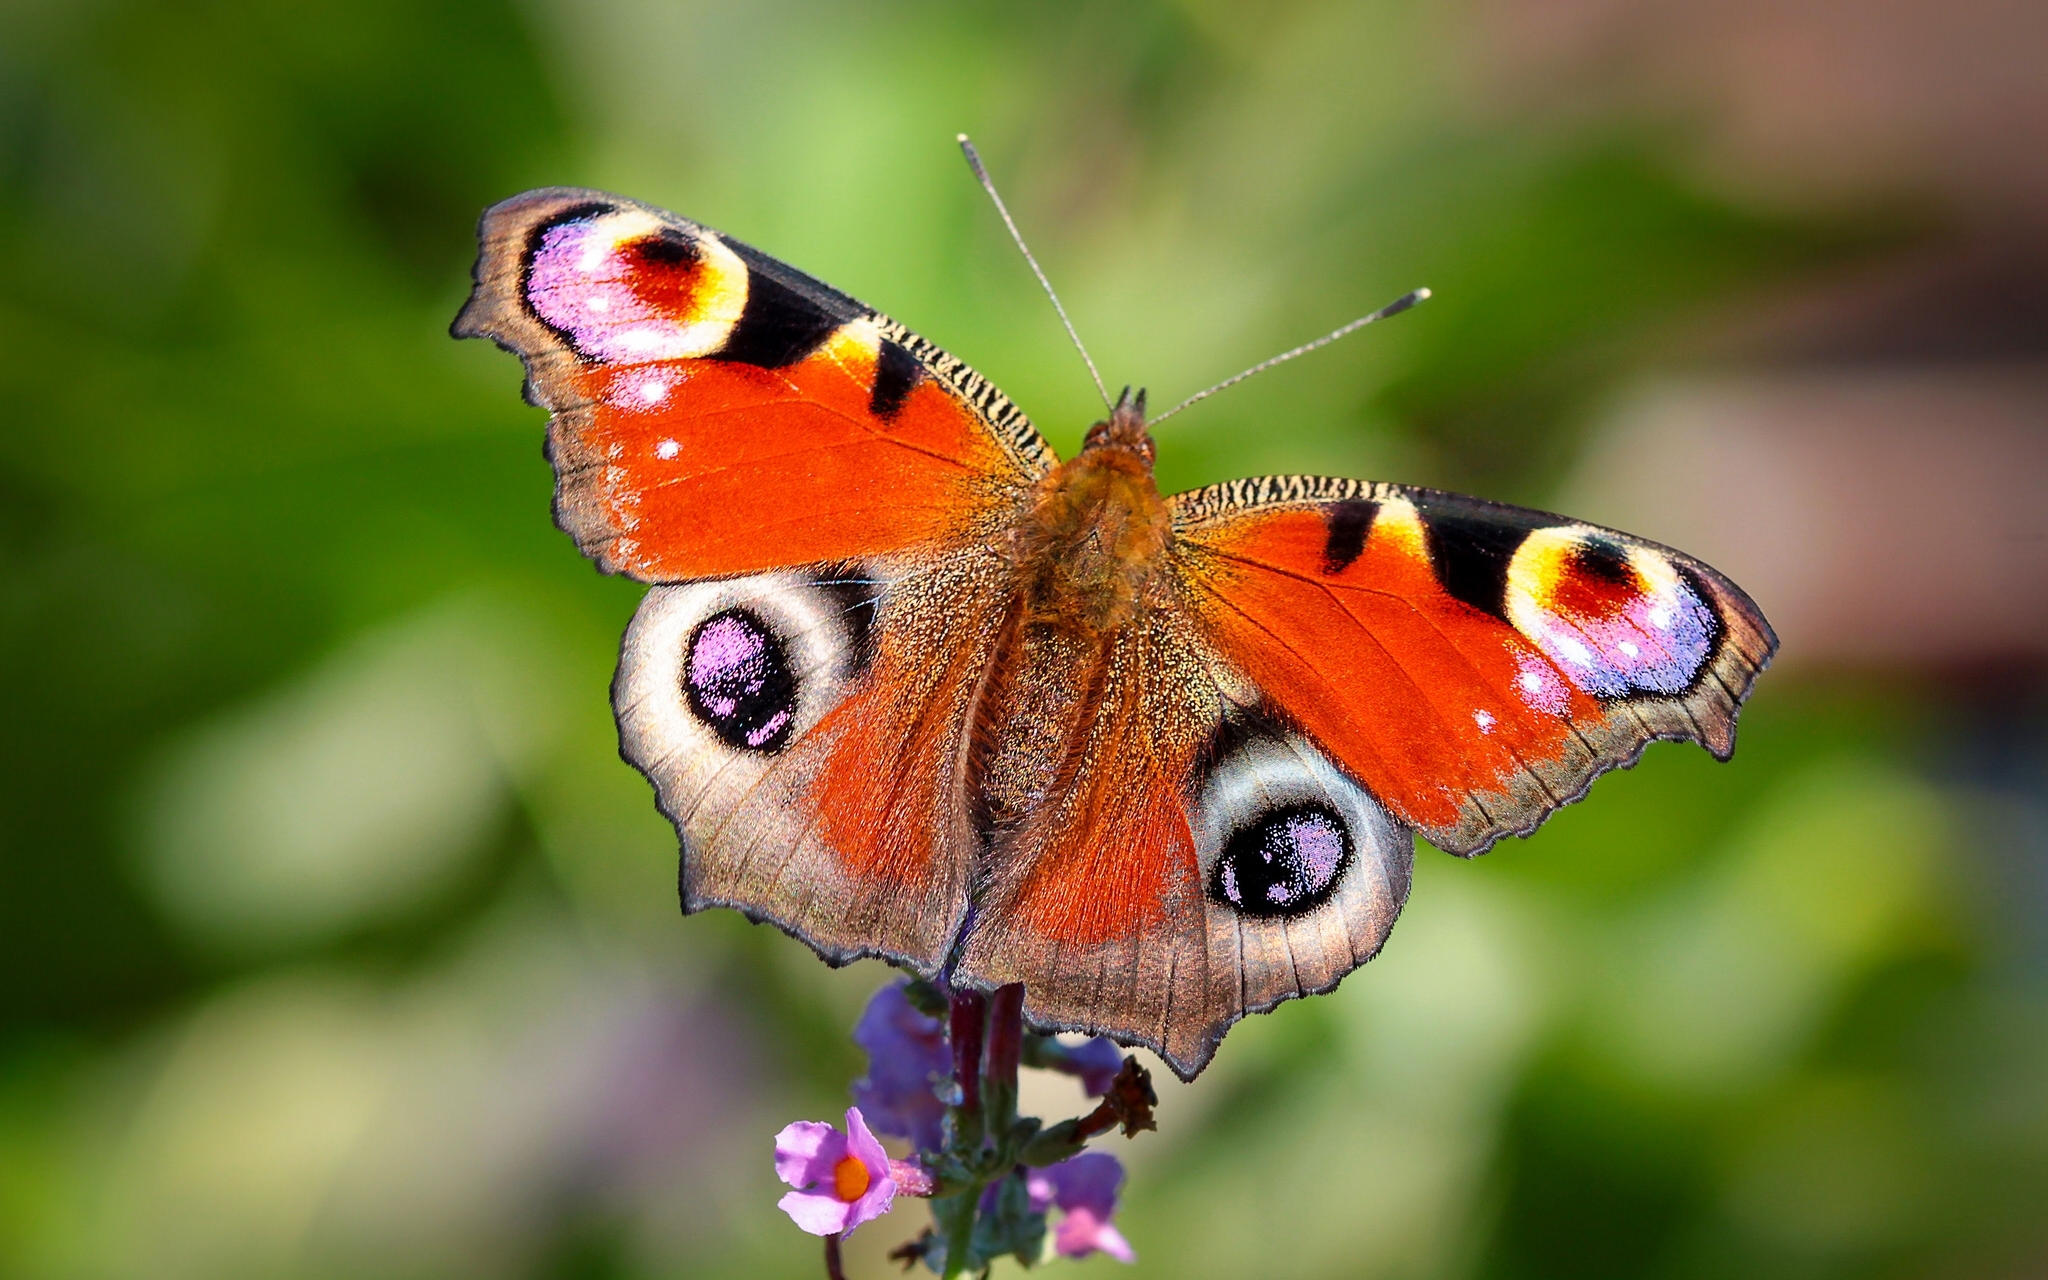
1124, 428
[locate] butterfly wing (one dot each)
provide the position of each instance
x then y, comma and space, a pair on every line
1189, 860
1472, 665
1340, 664
815, 489
717, 412
806, 730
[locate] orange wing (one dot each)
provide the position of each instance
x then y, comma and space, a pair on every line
718, 413
817, 488
1473, 665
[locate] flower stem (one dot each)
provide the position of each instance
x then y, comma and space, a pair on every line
1005, 1033
969, 1012
835, 1267
1005, 1047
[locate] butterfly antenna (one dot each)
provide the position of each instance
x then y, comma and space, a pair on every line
1394, 308
974, 163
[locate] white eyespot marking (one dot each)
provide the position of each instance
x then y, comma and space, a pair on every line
667, 449
1484, 719
638, 390
1539, 685
1573, 650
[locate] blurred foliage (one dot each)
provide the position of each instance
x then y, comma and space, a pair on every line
334, 939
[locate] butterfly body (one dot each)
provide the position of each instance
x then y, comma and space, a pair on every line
1092, 547
910, 686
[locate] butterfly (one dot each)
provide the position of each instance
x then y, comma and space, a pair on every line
912, 687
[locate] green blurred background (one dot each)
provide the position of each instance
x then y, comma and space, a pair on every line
336, 941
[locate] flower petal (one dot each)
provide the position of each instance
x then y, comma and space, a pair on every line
1081, 1233
819, 1213
907, 1054
806, 1151
1097, 1063
861, 1141
1042, 1189
881, 1192
1087, 1181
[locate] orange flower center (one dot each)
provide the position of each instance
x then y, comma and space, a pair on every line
850, 1179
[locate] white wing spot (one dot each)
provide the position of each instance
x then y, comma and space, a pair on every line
667, 449
1484, 719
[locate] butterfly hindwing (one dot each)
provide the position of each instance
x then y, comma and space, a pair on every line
807, 746
717, 412
1191, 861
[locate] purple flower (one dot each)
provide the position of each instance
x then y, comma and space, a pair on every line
907, 1053
1097, 1061
841, 1180
1084, 1189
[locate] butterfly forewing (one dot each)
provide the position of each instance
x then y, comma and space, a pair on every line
1473, 665
717, 412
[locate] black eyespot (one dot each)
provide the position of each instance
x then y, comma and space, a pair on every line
739, 682
1286, 863
1603, 560
668, 247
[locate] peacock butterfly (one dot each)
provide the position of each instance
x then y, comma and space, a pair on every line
910, 686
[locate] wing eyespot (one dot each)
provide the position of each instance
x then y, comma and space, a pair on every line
620, 286
1287, 861
1281, 832
1618, 619
741, 667
737, 678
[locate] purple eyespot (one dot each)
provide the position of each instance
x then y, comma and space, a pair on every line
739, 682
1285, 863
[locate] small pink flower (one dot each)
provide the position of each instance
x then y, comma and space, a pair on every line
841, 1180
1084, 1189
